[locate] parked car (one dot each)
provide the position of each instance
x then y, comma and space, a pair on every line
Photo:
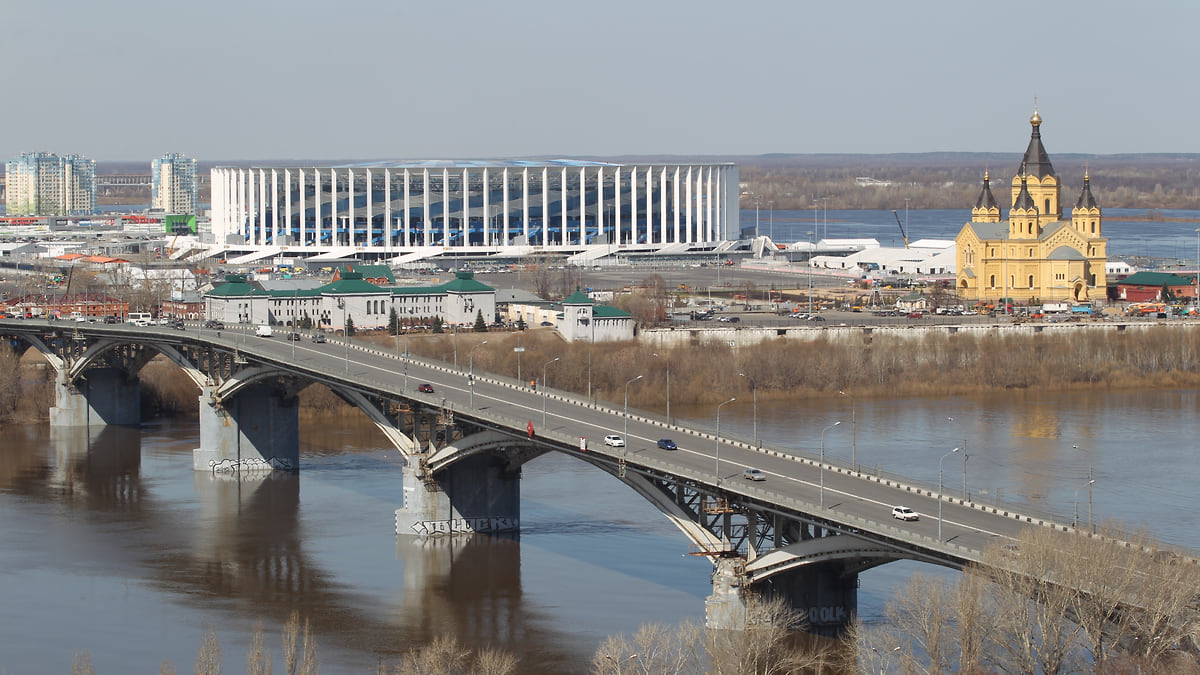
754, 474
425, 388
319, 338
904, 513
614, 440
667, 444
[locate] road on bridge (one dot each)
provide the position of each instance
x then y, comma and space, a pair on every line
793, 481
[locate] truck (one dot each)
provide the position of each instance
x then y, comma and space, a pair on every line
1055, 307
264, 331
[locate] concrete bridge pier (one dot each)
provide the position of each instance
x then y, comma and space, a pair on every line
823, 594
101, 396
475, 494
257, 430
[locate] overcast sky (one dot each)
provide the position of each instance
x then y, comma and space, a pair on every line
437, 79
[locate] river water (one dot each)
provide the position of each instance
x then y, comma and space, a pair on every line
114, 545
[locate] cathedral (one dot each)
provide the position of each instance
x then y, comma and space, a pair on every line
1036, 255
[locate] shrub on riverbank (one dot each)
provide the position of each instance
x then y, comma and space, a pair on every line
881, 366
937, 364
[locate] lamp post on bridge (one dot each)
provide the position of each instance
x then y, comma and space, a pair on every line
822, 495
471, 372
717, 468
544, 388
1090, 483
668, 362
853, 431
754, 390
965, 458
625, 438
939, 495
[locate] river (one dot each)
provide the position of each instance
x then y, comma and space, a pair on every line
123, 550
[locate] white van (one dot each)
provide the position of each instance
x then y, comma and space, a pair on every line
264, 331
140, 318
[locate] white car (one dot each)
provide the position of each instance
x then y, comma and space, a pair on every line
904, 513
754, 474
614, 440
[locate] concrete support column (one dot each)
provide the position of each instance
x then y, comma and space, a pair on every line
103, 396
824, 595
476, 494
256, 430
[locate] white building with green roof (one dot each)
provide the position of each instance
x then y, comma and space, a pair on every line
585, 319
369, 306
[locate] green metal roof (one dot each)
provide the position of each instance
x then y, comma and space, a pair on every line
1157, 279
351, 283
367, 271
464, 282
578, 298
235, 286
607, 312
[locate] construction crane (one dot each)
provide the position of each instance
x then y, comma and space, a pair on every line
902, 232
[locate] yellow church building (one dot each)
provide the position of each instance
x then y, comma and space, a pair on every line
1034, 256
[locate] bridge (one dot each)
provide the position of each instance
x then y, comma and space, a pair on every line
804, 533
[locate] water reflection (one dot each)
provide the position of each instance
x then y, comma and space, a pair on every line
118, 539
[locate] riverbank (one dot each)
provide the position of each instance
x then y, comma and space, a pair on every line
866, 365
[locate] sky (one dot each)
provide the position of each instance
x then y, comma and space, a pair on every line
130, 80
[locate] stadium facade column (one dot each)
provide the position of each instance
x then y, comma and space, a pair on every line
504, 211
445, 215
617, 199
287, 201
545, 206
487, 205
407, 210
425, 215
387, 208
525, 202
301, 199
675, 203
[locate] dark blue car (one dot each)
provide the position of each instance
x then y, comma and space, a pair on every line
666, 444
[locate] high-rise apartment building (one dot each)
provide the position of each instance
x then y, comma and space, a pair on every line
44, 184
175, 187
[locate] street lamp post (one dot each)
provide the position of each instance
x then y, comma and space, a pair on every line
812, 249
853, 431
1196, 300
1090, 483
939, 496
544, 388
471, 374
771, 211
717, 468
625, 438
757, 200
345, 332
668, 389
822, 497
965, 458
754, 390
883, 658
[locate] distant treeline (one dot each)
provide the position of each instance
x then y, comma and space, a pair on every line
934, 180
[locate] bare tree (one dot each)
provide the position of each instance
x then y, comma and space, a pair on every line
208, 659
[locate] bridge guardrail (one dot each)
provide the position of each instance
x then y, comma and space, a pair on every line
1019, 512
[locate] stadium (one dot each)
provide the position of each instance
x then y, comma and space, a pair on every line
404, 212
